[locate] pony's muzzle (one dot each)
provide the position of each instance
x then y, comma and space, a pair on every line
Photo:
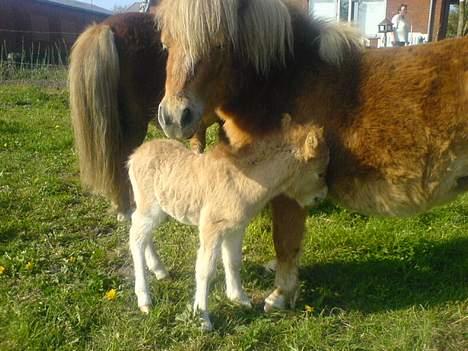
181, 122
163, 118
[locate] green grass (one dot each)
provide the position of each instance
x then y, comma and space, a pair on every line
366, 283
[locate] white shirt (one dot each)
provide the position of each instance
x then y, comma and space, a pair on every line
400, 28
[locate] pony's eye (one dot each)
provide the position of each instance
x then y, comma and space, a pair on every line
164, 46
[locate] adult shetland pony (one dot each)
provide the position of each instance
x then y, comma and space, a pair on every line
116, 80
395, 120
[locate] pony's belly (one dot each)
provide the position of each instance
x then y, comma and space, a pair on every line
385, 198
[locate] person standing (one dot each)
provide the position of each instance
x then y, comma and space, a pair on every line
401, 26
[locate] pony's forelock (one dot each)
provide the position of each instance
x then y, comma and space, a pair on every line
198, 25
266, 37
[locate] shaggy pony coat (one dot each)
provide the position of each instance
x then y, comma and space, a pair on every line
395, 120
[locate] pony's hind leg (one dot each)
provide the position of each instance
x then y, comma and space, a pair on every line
122, 202
231, 250
288, 231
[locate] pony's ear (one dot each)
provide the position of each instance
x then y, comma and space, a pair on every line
314, 143
286, 120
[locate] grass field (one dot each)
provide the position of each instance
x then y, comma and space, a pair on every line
367, 283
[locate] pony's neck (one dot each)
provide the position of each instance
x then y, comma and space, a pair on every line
256, 101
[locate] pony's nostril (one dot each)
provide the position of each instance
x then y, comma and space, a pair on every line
186, 117
163, 117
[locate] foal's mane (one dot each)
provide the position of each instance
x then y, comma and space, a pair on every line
260, 30
290, 139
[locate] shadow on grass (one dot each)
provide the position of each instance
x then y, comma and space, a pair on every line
436, 273
433, 274
326, 207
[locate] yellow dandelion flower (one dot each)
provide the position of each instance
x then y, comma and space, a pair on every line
111, 294
2, 270
29, 266
309, 309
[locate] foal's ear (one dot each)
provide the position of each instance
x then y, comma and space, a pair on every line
314, 143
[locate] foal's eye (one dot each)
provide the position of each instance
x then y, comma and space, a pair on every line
164, 46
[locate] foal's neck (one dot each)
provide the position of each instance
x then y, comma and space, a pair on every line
269, 164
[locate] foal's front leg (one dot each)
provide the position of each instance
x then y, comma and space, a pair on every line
210, 242
232, 260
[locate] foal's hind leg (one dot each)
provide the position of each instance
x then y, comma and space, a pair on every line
288, 231
154, 263
140, 239
232, 260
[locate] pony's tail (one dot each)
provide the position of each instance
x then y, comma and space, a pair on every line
338, 42
93, 81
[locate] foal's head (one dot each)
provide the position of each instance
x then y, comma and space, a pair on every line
208, 41
307, 184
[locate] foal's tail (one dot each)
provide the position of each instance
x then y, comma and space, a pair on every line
93, 82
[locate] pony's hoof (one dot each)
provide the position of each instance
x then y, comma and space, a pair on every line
145, 309
274, 302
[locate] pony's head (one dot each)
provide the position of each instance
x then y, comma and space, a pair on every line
203, 39
214, 44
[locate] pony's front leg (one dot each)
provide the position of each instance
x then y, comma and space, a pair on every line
208, 252
140, 235
288, 231
232, 260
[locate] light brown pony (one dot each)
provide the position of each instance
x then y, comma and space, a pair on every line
169, 180
395, 120
116, 81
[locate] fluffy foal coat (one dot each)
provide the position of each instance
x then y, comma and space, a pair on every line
220, 192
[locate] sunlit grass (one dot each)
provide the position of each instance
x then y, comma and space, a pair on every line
66, 274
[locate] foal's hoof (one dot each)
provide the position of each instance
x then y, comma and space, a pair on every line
270, 266
124, 217
243, 301
161, 274
145, 309
206, 325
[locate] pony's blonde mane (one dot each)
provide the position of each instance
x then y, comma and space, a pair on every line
337, 40
266, 37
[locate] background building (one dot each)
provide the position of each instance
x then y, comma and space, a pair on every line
44, 29
428, 17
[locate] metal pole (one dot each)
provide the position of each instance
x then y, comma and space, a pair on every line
350, 10
430, 22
